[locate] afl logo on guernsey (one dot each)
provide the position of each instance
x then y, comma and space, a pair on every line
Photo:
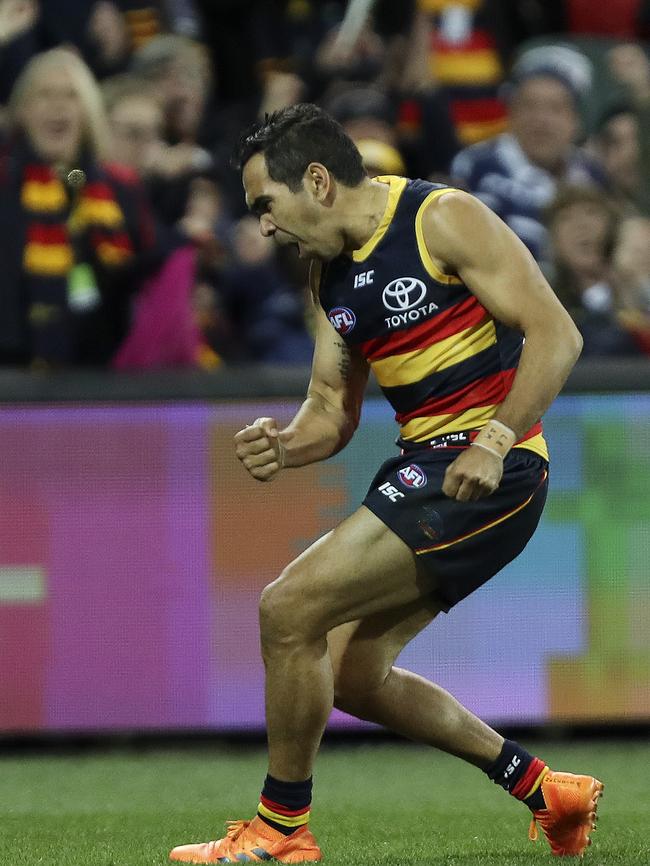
343, 319
412, 476
403, 293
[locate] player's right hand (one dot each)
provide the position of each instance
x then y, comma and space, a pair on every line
259, 449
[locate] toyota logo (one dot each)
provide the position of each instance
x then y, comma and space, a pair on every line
403, 293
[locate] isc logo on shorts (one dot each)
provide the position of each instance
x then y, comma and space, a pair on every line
343, 319
412, 476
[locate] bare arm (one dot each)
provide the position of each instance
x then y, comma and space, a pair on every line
465, 238
327, 418
330, 414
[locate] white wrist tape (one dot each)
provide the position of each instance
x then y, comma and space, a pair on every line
487, 448
496, 437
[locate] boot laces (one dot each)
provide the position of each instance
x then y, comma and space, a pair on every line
235, 828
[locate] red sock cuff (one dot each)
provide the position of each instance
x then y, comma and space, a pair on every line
523, 787
283, 810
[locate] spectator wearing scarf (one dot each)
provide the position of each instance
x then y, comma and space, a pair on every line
72, 256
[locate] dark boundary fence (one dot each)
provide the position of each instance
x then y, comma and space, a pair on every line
142, 741
603, 376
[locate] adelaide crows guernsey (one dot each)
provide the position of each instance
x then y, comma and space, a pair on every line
443, 362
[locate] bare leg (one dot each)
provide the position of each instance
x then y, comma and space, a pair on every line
359, 569
299, 699
370, 687
426, 713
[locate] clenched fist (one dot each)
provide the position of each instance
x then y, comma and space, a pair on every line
260, 449
473, 474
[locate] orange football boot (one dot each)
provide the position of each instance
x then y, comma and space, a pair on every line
570, 813
252, 841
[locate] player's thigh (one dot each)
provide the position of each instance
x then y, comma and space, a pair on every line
363, 652
359, 569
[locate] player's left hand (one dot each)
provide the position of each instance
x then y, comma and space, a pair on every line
473, 474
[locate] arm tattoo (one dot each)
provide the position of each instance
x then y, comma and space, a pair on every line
344, 360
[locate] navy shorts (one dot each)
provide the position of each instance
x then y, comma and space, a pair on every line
460, 545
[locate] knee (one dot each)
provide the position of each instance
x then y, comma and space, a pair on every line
276, 622
289, 615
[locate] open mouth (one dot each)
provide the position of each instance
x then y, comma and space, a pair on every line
56, 127
296, 246
586, 244
285, 239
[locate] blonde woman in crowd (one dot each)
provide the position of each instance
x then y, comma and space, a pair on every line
76, 233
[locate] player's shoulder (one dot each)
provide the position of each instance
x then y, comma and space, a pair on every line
457, 222
450, 205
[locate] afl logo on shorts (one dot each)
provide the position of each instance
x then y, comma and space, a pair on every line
412, 476
343, 319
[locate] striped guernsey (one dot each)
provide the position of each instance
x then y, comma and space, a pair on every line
442, 360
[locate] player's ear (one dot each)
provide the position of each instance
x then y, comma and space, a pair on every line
318, 180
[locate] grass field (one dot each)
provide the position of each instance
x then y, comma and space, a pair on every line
374, 804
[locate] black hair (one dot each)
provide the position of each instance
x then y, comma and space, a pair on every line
293, 137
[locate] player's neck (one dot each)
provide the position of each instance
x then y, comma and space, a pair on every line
364, 207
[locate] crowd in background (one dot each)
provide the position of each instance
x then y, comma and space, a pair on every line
145, 258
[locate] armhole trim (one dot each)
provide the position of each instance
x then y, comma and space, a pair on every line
430, 266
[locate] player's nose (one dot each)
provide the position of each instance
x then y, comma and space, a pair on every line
267, 228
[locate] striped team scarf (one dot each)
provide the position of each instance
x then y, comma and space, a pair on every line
68, 239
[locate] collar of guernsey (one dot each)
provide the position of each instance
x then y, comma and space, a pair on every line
442, 361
